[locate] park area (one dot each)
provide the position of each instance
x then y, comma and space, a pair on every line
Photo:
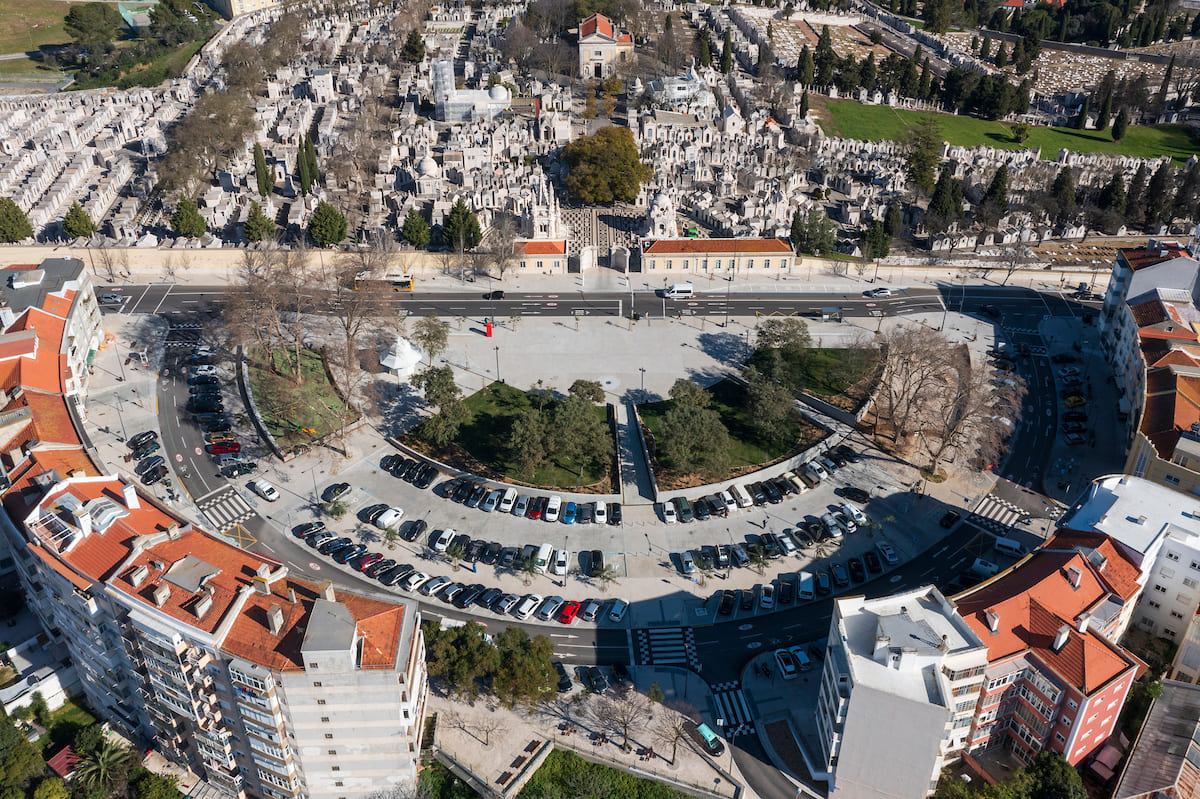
853, 120
842, 377
295, 412
568, 774
485, 445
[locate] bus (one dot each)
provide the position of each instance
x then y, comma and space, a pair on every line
394, 281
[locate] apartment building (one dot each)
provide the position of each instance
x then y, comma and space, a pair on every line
1055, 680
903, 662
1165, 759
265, 685
720, 257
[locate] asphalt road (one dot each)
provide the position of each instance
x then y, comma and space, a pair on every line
163, 298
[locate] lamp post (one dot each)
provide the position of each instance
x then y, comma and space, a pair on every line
497, 349
642, 369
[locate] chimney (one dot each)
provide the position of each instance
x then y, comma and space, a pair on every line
275, 619
161, 594
84, 520
203, 604
139, 575
263, 571
1074, 574
993, 621
292, 595
327, 591
882, 644
172, 531
1060, 638
129, 494
944, 646
1084, 618
261, 586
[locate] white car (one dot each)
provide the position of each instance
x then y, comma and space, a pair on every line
389, 518
766, 599
204, 369
507, 501
879, 293
550, 607
442, 542
521, 506
436, 584
553, 507
889, 554
854, 513
787, 664
668, 512
528, 604
600, 511
414, 581
558, 564
264, 489
730, 503
845, 521
589, 610
617, 612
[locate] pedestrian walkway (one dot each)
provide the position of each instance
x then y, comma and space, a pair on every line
636, 486
996, 514
224, 508
730, 710
667, 646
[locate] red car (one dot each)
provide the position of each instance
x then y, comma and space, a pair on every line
568, 613
368, 560
224, 447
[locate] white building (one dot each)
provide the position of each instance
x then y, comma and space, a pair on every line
452, 104
901, 678
602, 48
264, 685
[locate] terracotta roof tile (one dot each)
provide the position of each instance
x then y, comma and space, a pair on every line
50, 418
1120, 572
1175, 357
540, 248
1147, 313
731, 246
596, 23
64, 761
59, 305
1143, 256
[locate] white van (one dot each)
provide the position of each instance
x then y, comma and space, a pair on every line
804, 587
740, 496
510, 499
1010, 546
542, 559
680, 291
984, 569
730, 502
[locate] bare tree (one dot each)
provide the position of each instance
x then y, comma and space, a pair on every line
669, 729
500, 238
113, 260
916, 367
253, 310
1015, 259
488, 725
966, 414
624, 711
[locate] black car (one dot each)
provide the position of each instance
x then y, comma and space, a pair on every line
838, 459
857, 573
992, 311
874, 566
814, 529
564, 679
700, 510
585, 514
376, 569
494, 295
335, 491
595, 562
411, 470
396, 574
469, 595
488, 597
1063, 357
683, 509
347, 553
219, 426
708, 554
148, 464
426, 476
847, 453
141, 439
203, 380
824, 584
949, 519
239, 468
154, 475
757, 493
614, 513
388, 462
774, 495
336, 543
372, 512
704, 561
463, 491
307, 529
597, 683
1075, 416
854, 493
787, 592
460, 543
508, 557
477, 495
786, 487
475, 550
746, 598
146, 450
208, 403
728, 602
207, 390
413, 530
803, 540
771, 546
491, 554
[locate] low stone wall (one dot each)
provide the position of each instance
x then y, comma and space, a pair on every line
635, 419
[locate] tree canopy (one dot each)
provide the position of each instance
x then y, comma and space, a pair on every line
77, 223
186, 221
327, 226
415, 230
461, 229
93, 24
605, 167
14, 226
414, 47
258, 226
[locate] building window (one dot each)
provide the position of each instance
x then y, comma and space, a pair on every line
750, 264
597, 54
716, 263
766, 263
1066, 722
1176, 614
1195, 566
1071, 703
335, 768
328, 735
1172, 555
320, 701
331, 751
1170, 479
1159, 589
324, 719
316, 685
1153, 604
1058, 736
670, 263
338, 783
1170, 633
1189, 582
685, 263
539, 264
313, 665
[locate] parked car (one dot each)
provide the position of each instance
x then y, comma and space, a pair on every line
949, 519
667, 509
854, 493
841, 577
307, 529
149, 463
889, 554
788, 668
491, 500
614, 513
596, 681
872, 562
154, 475
477, 495
346, 554
553, 508
559, 562
600, 512
568, 612
264, 489
335, 491
389, 518
141, 439
569, 512
857, 573
440, 540
414, 529
617, 611
595, 562
687, 564
683, 509
766, 596
238, 468
728, 601
145, 450
590, 610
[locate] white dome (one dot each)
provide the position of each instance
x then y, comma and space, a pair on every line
403, 356
427, 167
660, 201
498, 93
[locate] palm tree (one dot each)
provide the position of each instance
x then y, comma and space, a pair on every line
101, 768
455, 554
758, 560
529, 570
606, 575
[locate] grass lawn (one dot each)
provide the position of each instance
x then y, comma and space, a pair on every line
17, 20
561, 772
853, 120
289, 409
27, 70
748, 446
828, 372
64, 724
486, 439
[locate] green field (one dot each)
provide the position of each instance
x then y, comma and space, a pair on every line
567, 774
27, 70
288, 409
18, 18
852, 120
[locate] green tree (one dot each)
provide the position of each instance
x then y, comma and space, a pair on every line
529, 441
148, 785
1120, 125
768, 403
310, 158
51, 788
685, 392
14, 226
415, 230
461, 656
985, 49
605, 167
946, 203
262, 174
1054, 778
727, 55
414, 48
1160, 99
327, 227
997, 191
77, 223
258, 226
88, 739
805, 66
461, 228
93, 25
186, 221
703, 50
1020, 131
804, 105
894, 220
878, 241
924, 154
1104, 112
1001, 57
304, 173
1062, 194
936, 15
825, 59
655, 693
693, 440
431, 335
781, 348
526, 673
1112, 197
1080, 121
869, 73
814, 233
1158, 195
104, 767
580, 436
587, 390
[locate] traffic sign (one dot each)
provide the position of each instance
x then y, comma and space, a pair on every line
179, 457
199, 451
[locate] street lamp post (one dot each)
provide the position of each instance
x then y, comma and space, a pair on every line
642, 369
497, 349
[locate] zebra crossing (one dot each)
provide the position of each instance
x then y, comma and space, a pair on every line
729, 706
666, 646
996, 514
224, 508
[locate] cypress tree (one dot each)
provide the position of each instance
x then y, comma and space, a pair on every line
302, 173
926, 84
1112, 197
804, 104
1001, 57
1120, 126
997, 191
806, 68
1081, 120
77, 223
1104, 114
261, 173
310, 153
985, 49
727, 55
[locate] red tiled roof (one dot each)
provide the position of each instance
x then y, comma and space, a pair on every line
597, 23
731, 246
1033, 601
1120, 573
1175, 357
1143, 256
64, 761
540, 247
1172, 407
59, 305
50, 418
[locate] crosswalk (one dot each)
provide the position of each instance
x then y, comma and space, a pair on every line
224, 508
666, 646
729, 706
996, 514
